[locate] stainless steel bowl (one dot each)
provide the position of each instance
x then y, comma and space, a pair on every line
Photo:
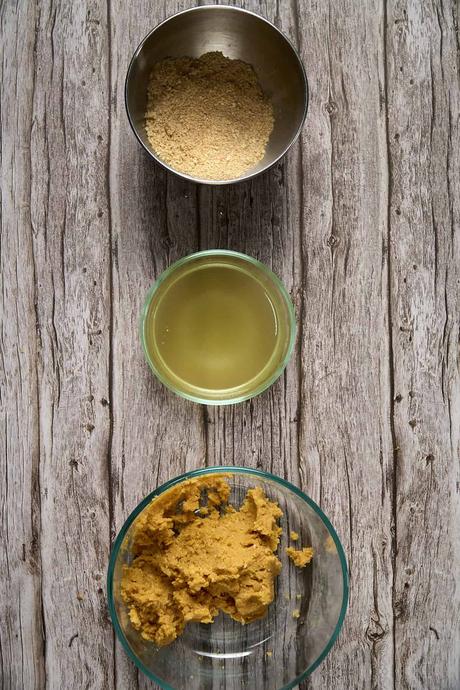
238, 34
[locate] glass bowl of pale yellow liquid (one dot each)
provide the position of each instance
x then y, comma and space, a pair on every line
218, 327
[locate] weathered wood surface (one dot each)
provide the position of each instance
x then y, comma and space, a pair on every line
361, 221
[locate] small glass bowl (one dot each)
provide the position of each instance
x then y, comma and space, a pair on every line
287, 331
275, 653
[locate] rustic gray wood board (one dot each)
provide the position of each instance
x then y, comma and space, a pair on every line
361, 222
424, 219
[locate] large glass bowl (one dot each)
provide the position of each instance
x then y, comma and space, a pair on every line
275, 653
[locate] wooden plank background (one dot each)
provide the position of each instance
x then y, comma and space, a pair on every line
361, 221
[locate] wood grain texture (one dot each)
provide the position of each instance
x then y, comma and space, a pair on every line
345, 434
71, 257
424, 218
22, 640
361, 222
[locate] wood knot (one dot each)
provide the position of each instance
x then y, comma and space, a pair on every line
331, 107
375, 632
332, 241
400, 608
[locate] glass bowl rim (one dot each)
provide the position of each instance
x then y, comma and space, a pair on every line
244, 177
260, 474
279, 286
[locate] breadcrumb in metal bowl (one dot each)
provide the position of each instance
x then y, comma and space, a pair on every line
275, 652
207, 117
